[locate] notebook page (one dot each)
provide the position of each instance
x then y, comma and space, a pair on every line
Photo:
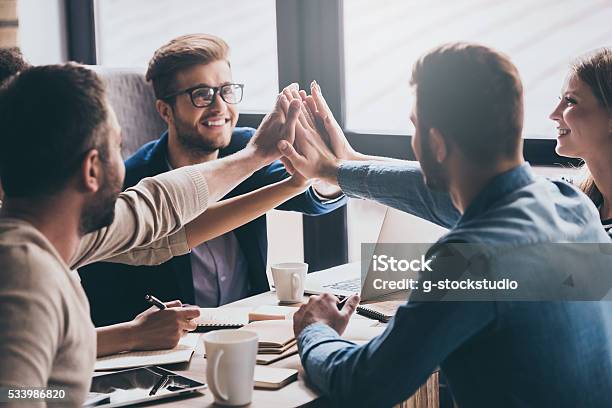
210, 316
181, 353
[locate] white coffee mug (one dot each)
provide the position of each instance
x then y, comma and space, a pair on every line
289, 281
231, 356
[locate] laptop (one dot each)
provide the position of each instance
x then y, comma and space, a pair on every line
345, 280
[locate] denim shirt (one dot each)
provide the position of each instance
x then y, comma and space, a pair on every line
515, 354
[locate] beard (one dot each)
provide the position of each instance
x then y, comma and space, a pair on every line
435, 175
194, 142
99, 211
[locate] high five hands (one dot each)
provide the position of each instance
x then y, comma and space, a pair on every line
278, 125
320, 145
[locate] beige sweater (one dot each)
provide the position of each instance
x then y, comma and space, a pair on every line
47, 338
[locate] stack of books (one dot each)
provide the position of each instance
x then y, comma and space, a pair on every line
276, 339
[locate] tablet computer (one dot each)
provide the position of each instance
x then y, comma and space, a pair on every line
138, 385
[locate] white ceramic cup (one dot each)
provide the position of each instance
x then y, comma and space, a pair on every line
289, 281
230, 365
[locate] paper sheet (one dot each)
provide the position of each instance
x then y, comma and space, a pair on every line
223, 315
181, 353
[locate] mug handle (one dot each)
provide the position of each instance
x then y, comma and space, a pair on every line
215, 380
295, 285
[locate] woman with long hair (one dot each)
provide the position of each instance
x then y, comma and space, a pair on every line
584, 119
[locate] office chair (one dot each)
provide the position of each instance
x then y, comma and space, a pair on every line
133, 100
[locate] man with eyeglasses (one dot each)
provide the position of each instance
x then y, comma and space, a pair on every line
197, 98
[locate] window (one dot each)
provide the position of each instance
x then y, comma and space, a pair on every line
383, 39
129, 31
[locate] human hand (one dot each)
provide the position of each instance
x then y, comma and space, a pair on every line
156, 329
315, 162
327, 125
276, 125
309, 127
311, 155
323, 308
297, 180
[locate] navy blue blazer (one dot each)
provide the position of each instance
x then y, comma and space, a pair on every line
116, 292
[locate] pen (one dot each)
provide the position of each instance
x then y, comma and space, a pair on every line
155, 301
341, 303
161, 382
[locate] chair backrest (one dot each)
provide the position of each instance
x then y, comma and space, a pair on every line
133, 100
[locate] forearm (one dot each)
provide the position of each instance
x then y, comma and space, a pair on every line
230, 214
328, 172
329, 191
398, 184
223, 175
159, 206
154, 208
157, 252
390, 368
366, 157
115, 338
373, 374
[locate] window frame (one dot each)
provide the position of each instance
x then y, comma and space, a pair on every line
307, 31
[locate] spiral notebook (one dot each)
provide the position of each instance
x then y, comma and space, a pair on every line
215, 318
382, 311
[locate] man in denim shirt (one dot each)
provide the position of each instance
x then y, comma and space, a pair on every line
468, 119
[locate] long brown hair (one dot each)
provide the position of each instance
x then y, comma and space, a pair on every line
595, 70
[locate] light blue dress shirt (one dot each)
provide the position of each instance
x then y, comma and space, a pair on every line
493, 354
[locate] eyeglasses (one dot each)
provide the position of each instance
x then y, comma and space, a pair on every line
203, 96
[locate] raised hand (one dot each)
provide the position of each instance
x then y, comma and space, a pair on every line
276, 125
327, 125
311, 156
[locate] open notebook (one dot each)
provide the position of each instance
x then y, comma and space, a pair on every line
215, 318
179, 354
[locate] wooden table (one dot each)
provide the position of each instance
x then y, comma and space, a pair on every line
296, 394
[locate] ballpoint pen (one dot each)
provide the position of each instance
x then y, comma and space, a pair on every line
155, 301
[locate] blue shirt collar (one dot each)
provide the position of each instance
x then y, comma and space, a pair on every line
499, 187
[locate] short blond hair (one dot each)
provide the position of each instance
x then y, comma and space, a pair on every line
182, 53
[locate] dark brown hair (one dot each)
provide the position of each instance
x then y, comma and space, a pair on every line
11, 62
51, 115
595, 70
182, 53
473, 95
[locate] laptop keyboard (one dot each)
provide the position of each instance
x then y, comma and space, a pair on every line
350, 285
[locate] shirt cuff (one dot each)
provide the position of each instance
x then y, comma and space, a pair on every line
315, 344
200, 184
325, 200
314, 334
177, 243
